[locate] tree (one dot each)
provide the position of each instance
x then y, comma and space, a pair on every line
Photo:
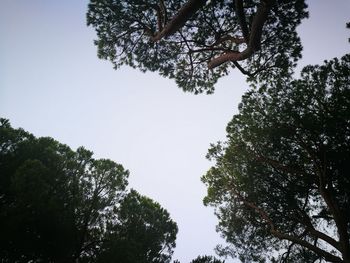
144, 233
206, 259
281, 182
57, 205
203, 259
196, 42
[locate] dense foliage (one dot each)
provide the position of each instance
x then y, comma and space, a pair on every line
145, 233
58, 205
196, 42
281, 182
206, 259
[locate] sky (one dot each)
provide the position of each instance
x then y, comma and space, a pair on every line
53, 84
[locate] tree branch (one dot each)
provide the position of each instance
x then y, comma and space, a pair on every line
326, 255
254, 39
338, 218
258, 23
163, 11
241, 19
304, 219
242, 70
285, 256
230, 56
184, 14
324, 237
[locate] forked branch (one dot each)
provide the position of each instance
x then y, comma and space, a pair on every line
253, 38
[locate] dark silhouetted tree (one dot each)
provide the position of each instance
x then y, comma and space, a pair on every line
144, 233
281, 183
206, 259
58, 205
196, 42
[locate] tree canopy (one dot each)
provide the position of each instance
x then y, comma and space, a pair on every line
196, 42
206, 259
59, 205
145, 233
281, 182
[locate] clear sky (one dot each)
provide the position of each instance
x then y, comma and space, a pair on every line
53, 84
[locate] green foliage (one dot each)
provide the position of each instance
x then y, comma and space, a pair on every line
143, 230
281, 182
57, 205
125, 29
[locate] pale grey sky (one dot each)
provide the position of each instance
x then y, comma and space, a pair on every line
53, 84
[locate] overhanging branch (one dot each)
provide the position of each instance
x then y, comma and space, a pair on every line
184, 14
241, 19
230, 56
326, 255
253, 39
